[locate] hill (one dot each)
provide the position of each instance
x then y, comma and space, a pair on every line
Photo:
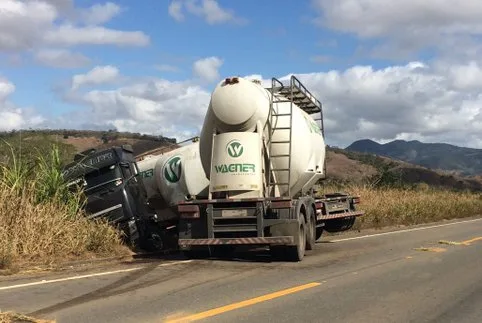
73, 141
348, 167
438, 156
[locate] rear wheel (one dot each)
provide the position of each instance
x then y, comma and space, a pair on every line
339, 225
319, 232
196, 253
296, 253
310, 233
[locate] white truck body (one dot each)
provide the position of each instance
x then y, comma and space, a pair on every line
174, 176
235, 112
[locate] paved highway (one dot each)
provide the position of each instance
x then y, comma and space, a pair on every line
404, 276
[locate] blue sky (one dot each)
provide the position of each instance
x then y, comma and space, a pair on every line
384, 69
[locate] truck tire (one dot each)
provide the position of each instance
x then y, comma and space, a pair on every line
296, 253
339, 225
319, 232
222, 252
196, 253
310, 233
291, 253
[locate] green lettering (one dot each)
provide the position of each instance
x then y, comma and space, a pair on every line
235, 168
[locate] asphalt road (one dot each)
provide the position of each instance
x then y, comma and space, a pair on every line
351, 278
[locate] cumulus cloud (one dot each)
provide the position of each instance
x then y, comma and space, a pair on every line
426, 102
99, 13
11, 116
405, 26
207, 69
175, 10
155, 106
99, 75
209, 10
61, 58
27, 25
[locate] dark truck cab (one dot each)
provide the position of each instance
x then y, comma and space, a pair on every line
114, 191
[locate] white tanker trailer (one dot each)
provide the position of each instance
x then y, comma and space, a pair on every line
171, 177
263, 153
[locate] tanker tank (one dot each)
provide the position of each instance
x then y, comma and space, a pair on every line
243, 107
173, 177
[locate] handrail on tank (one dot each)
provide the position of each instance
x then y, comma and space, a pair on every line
296, 92
160, 150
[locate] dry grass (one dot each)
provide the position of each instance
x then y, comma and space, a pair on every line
41, 221
392, 207
10, 317
33, 232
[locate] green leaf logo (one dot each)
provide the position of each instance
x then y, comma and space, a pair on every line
235, 148
172, 169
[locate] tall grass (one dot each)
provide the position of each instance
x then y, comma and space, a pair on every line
41, 220
387, 206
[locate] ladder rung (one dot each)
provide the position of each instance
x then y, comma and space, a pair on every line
283, 155
281, 114
280, 169
282, 128
281, 142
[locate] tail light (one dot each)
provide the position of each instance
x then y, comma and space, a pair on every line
189, 211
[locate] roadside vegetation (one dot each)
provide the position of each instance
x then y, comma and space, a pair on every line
10, 317
394, 206
41, 221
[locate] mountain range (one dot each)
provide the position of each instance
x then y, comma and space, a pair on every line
436, 156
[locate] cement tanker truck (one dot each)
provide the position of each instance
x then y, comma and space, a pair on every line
263, 153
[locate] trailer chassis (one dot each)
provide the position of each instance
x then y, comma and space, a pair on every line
287, 226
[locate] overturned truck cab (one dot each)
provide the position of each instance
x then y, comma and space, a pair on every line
114, 191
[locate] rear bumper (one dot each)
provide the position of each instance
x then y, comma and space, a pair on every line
341, 215
282, 240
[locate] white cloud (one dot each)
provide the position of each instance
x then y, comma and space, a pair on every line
207, 69
12, 116
175, 10
155, 106
68, 35
27, 25
209, 10
99, 75
406, 26
22, 23
100, 13
61, 58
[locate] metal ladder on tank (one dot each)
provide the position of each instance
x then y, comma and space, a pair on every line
295, 93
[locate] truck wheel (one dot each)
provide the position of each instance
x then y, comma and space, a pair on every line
319, 232
296, 253
310, 233
225, 251
196, 253
339, 225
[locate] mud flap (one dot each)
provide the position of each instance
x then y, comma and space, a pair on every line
285, 229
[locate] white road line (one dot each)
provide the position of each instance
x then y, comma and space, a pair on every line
43, 282
405, 230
